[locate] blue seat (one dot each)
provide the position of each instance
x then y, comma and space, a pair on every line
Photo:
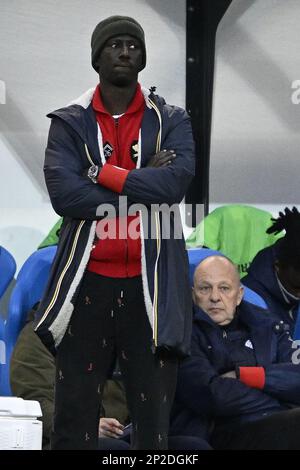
7, 269
29, 288
196, 255
2, 342
296, 335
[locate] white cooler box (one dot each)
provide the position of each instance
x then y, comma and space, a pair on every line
19, 426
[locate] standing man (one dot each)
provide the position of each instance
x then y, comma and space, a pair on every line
113, 295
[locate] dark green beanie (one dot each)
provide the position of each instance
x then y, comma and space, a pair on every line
114, 26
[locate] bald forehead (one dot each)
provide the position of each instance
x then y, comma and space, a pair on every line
219, 266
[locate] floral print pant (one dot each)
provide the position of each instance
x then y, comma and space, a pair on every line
110, 321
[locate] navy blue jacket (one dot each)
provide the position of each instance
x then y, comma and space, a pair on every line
262, 279
203, 395
74, 144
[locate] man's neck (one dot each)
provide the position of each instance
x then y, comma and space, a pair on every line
117, 99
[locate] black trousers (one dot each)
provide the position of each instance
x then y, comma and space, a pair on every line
280, 431
110, 320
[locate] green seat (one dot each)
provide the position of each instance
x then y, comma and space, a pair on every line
52, 237
238, 231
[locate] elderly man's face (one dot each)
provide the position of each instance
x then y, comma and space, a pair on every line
217, 289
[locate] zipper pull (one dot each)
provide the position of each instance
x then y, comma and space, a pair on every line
224, 334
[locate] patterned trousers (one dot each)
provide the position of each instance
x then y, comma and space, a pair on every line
110, 321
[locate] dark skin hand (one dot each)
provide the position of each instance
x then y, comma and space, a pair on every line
160, 159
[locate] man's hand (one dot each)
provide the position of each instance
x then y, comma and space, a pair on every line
110, 427
163, 158
229, 375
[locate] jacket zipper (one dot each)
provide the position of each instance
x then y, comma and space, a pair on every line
117, 138
62, 275
158, 240
116, 121
88, 154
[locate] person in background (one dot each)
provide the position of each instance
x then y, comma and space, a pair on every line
275, 271
241, 385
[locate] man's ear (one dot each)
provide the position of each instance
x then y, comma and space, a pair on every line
240, 295
141, 67
97, 65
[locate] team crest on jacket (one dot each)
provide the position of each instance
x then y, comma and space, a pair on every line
107, 150
134, 151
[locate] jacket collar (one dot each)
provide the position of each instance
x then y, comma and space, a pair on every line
85, 99
260, 328
79, 114
137, 103
251, 315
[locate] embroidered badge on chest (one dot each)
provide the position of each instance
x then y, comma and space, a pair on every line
134, 151
107, 150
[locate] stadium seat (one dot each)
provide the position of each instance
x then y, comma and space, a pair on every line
238, 231
7, 269
28, 291
297, 326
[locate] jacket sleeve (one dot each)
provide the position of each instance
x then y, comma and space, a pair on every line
170, 183
201, 389
282, 380
71, 193
160, 185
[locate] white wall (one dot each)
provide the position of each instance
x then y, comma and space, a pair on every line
255, 133
45, 63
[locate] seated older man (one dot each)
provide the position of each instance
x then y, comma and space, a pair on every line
242, 380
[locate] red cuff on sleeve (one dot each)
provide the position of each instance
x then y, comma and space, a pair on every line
253, 376
112, 177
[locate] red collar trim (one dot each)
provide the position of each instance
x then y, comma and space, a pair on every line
135, 105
